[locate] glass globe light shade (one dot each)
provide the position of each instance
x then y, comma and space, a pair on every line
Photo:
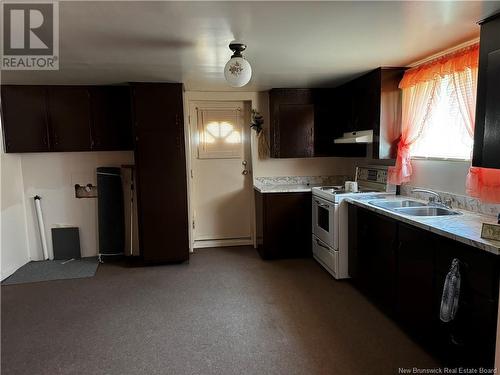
237, 72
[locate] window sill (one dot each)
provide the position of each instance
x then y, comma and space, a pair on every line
440, 159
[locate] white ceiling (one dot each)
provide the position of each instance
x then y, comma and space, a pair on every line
290, 44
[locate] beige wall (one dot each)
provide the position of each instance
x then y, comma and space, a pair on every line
277, 167
440, 175
13, 240
295, 167
52, 176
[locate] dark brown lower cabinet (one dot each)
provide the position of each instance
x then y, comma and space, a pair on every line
284, 224
161, 172
469, 339
376, 268
416, 271
415, 281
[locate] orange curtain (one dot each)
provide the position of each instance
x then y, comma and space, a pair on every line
462, 67
419, 87
466, 58
482, 183
417, 100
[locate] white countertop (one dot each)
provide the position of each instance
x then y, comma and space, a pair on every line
465, 228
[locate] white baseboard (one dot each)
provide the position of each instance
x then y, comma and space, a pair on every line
199, 244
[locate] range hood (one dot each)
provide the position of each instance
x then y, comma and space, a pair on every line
363, 136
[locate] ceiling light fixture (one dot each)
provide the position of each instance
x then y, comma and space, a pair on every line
237, 70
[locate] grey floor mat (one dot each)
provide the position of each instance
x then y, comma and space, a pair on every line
53, 270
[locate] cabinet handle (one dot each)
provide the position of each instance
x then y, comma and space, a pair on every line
179, 131
400, 245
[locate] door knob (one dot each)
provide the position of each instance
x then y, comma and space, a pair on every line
244, 172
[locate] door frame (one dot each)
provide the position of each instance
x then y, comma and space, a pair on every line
250, 100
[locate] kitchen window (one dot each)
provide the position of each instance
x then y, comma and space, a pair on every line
444, 134
438, 111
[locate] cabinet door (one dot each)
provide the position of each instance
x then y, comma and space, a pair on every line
491, 153
286, 225
111, 118
24, 119
296, 125
292, 123
69, 114
415, 280
366, 102
161, 172
487, 130
470, 338
326, 127
376, 261
329, 123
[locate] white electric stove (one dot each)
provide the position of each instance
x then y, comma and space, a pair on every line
329, 217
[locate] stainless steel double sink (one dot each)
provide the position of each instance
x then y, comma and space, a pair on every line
413, 208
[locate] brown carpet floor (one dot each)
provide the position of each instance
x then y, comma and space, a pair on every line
226, 312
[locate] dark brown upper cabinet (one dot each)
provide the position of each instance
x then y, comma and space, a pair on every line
24, 119
373, 102
292, 123
66, 118
111, 118
330, 115
487, 129
69, 115
306, 122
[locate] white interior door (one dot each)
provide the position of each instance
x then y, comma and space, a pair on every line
221, 178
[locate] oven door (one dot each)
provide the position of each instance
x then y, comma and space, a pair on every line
322, 219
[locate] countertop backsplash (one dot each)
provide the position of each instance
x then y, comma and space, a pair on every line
458, 201
303, 180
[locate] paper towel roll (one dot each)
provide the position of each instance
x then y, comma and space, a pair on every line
41, 227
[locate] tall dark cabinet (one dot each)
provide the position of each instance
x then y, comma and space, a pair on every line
161, 172
487, 128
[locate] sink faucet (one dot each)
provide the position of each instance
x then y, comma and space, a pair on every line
435, 198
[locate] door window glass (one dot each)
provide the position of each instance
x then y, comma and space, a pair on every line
324, 218
219, 134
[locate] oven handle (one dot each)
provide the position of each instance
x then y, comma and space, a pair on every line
322, 204
321, 245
